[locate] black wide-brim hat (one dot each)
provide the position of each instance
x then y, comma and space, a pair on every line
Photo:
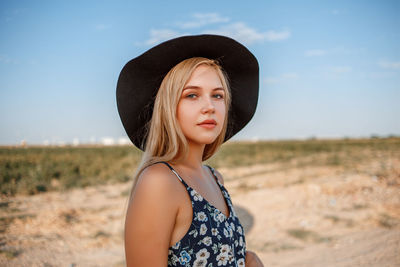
141, 78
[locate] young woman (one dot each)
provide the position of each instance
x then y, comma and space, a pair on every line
179, 102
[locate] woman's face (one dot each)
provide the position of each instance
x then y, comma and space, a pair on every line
202, 99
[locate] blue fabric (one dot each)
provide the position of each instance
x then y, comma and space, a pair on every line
212, 239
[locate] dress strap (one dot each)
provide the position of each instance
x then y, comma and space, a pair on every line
213, 173
173, 170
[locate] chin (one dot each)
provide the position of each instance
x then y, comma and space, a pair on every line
204, 141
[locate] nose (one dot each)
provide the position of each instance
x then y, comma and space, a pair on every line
208, 105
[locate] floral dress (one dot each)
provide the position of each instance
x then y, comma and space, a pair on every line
212, 239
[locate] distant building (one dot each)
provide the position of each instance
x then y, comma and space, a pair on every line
23, 143
92, 140
75, 142
107, 141
124, 141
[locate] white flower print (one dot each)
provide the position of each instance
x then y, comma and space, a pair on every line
201, 258
175, 259
215, 217
175, 246
200, 262
233, 226
239, 229
193, 232
201, 216
214, 231
207, 241
220, 217
203, 229
240, 263
226, 233
222, 259
241, 241
223, 256
225, 248
202, 254
231, 258
226, 251
196, 196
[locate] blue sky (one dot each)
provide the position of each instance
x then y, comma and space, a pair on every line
327, 69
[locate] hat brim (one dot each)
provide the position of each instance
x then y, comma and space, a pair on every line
141, 78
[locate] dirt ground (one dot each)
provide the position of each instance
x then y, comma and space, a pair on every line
293, 216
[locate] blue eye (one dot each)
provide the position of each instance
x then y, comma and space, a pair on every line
219, 96
191, 95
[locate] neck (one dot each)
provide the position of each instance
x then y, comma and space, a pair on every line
194, 158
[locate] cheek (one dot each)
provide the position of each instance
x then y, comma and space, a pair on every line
221, 108
184, 113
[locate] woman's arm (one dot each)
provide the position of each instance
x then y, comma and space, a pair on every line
252, 260
150, 219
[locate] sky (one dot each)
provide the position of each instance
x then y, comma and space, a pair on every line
328, 69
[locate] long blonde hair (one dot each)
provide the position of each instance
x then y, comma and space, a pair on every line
165, 140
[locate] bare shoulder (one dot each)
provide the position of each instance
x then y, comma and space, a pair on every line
157, 184
157, 175
150, 217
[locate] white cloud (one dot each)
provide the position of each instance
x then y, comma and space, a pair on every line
202, 19
382, 75
315, 52
158, 36
341, 69
281, 78
338, 11
290, 75
237, 30
277, 36
245, 34
389, 65
271, 80
102, 27
8, 60
338, 50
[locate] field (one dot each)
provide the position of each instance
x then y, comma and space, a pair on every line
302, 203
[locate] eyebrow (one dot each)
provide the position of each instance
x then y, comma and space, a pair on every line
197, 87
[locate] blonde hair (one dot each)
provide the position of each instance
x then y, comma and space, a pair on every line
165, 140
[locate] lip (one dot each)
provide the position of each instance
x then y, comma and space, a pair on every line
209, 124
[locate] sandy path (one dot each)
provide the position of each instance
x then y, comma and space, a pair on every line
320, 216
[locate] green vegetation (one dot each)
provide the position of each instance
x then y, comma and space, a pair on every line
306, 235
10, 253
387, 221
38, 169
